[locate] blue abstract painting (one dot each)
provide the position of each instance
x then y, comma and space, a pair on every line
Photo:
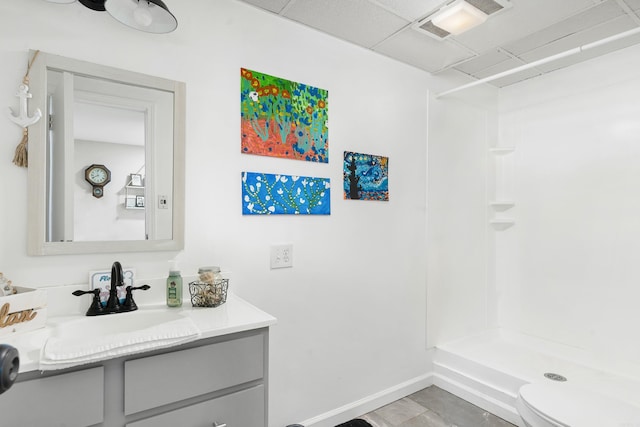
366, 177
270, 194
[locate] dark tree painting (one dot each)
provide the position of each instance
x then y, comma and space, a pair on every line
366, 177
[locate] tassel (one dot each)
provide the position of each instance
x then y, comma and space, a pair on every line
21, 156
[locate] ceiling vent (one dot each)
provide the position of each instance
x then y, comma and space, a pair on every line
489, 7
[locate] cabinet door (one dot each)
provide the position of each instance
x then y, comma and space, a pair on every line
242, 409
155, 381
75, 399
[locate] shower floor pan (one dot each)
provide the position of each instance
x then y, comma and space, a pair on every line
488, 369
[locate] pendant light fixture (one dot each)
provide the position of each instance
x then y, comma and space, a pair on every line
151, 16
94, 4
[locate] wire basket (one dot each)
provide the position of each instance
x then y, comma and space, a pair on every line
208, 294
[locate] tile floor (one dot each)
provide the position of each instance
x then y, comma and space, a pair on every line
432, 407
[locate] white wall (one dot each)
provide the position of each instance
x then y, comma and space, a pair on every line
460, 293
569, 268
352, 310
116, 222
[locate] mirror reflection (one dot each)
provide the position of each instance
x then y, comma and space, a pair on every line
108, 152
110, 123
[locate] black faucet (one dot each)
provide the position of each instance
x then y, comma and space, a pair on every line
113, 303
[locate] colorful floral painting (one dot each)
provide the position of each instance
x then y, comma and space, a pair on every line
281, 118
366, 177
268, 194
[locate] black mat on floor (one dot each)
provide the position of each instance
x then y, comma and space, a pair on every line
355, 423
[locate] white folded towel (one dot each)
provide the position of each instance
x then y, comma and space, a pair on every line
61, 353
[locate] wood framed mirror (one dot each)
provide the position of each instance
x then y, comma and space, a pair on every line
132, 124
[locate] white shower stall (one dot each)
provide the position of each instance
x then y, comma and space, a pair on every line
550, 280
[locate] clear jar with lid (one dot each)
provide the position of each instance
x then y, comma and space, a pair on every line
210, 290
209, 274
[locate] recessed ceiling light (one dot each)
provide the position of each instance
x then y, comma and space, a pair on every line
458, 17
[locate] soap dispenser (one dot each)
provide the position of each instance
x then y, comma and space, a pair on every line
174, 287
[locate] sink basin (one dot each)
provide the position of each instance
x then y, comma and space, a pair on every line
112, 324
74, 341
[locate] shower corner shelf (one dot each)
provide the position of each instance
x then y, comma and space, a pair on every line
500, 151
502, 224
502, 205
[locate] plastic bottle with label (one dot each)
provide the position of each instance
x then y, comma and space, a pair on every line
174, 288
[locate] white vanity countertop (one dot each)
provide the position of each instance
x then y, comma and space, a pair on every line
236, 315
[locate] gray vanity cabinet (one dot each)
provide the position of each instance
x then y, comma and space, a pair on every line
160, 380
229, 410
211, 382
70, 399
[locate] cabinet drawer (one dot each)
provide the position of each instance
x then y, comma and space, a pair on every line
242, 409
75, 399
158, 380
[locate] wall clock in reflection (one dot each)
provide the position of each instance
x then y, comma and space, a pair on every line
98, 176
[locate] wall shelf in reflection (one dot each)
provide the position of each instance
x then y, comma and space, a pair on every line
134, 197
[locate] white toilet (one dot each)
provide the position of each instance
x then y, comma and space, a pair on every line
548, 404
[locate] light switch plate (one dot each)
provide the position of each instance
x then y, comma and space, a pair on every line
162, 202
281, 256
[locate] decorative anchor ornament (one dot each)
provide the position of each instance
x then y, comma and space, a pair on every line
23, 120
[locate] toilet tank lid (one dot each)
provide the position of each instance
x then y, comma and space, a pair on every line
576, 406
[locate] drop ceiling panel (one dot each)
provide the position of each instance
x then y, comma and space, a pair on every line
422, 51
525, 32
357, 21
516, 78
505, 65
633, 4
595, 52
590, 54
578, 39
482, 62
523, 18
411, 10
595, 16
274, 6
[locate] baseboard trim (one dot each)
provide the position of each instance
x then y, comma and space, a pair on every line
369, 403
473, 395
